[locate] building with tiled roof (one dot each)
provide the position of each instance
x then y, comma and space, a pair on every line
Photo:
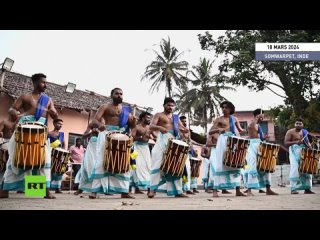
75, 109
17, 84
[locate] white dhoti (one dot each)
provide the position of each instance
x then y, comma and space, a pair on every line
14, 177
212, 160
56, 180
225, 177
86, 182
194, 183
141, 175
256, 179
205, 171
111, 182
4, 146
244, 174
298, 181
159, 182
186, 181
253, 179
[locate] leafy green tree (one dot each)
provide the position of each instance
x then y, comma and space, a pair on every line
298, 81
204, 98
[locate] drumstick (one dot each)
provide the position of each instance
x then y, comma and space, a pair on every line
134, 110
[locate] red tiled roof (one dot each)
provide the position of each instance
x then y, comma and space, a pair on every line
18, 84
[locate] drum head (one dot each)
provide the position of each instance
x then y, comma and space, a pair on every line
270, 144
239, 138
179, 142
31, 126
61, 150
119, 136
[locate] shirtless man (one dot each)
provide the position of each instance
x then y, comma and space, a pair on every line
205, 166
141, 135
35, 106
187, 181
169, 126
211, 144
210, 152
256, 179
85, 181
56, 138
297, 139
6, 131
225, 177
113, 116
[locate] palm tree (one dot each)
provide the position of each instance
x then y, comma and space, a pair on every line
165, 69
183, 107
204, 98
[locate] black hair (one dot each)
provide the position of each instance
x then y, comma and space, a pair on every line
257, 112
183, 117
36, 77
78, 139
57, 120
143, 114
299, 119
113, 90
168, 100
229, 105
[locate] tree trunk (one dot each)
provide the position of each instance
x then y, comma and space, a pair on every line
205, 119
294, 97
169, 87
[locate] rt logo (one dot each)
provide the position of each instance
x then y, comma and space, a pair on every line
35, 186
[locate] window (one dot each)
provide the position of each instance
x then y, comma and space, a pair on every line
264, 126
72, 139
244, 126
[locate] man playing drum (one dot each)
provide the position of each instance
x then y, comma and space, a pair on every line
6, 131
141, 135
116, 117
256, 179
211, 145
35, 107
297, 139
169, 126
86, 182
225, 177
56, 138
205, 154
188, 183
